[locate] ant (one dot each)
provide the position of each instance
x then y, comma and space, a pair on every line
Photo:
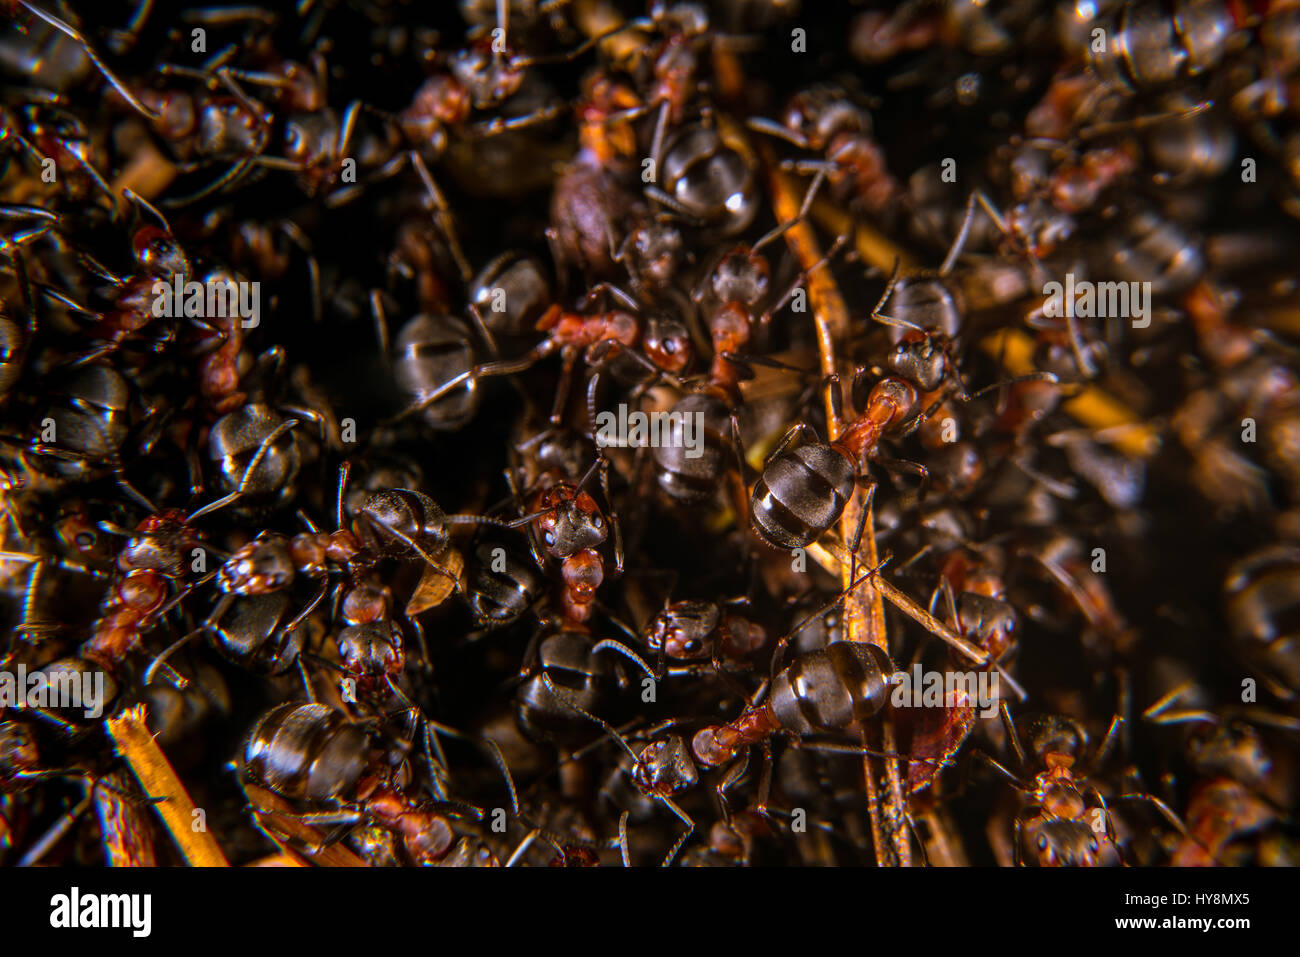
783, 510
1065, 821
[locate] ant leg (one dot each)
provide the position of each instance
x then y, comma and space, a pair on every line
800, 279
628, 301
380, 317
960, 240
160, 661
309, 608
622, 839
686, 835
344, 471
499, 124
316, 818
796, 430
761, 124
778, 652
1012, 734
433, 752
808, 196
1010, 778
442, 214
738, 446
1018, 837
533, 545
115, 465
57, 831
1141, 122
523, 62
299, 239
657, 140
1106, 743
229, 178
897, 466
1160, 712
663, 199
733, 775
743, 360
603, 461
1165, 810
920, 844
306, 680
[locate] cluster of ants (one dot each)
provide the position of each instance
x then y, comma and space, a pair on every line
390, 594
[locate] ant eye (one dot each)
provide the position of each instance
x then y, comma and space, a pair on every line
1093, 845
1042, 842
549, 538
596, 521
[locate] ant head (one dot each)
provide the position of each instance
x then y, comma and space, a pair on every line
818, 113
1055, 740
309, 138
161, 543
488, 78
1069, 843
681, 630
667, 342
918, 358
571, 523
741, 276
158, 253
657, 248
263, 565
665, 767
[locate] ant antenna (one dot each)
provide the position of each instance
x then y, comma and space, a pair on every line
139, 200
625, 651
76, 36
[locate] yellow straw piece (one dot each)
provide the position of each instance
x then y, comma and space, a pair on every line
134, 741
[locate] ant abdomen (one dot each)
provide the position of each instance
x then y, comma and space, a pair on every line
501, 586
801, 494
306, 751
400, 522
830, 689
691, 478
429, 353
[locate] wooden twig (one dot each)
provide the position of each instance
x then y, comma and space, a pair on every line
135, 743
864, 610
